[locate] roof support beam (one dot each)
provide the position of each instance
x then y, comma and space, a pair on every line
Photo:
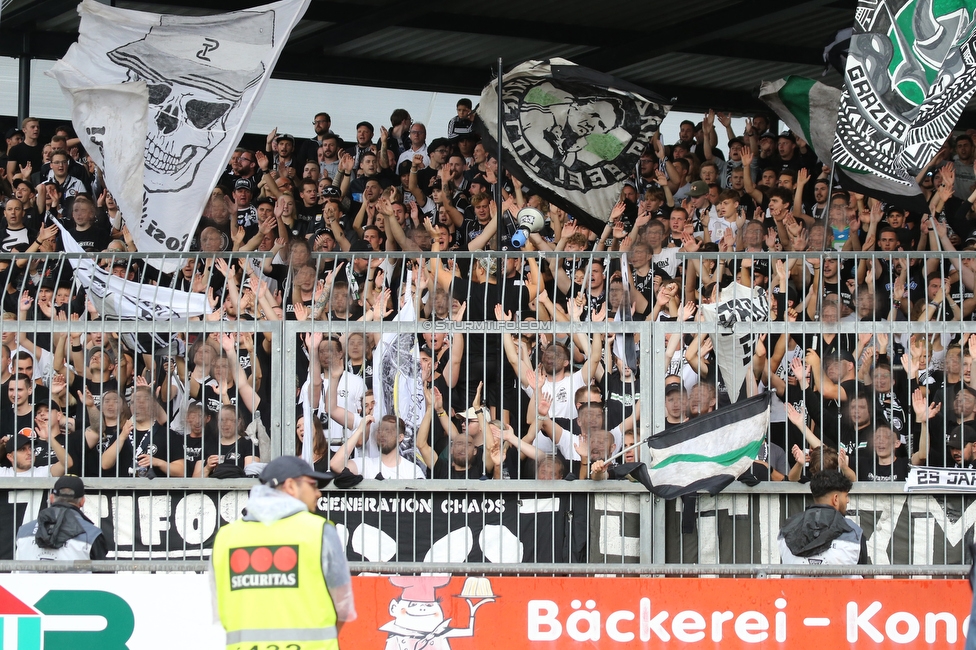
732, 20
37, 10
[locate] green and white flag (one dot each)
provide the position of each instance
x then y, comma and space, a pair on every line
707, 453
911, 71
807, 107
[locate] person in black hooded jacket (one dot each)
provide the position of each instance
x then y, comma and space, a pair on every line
62, 531
822, 534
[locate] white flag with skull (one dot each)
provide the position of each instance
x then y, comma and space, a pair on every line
203, 75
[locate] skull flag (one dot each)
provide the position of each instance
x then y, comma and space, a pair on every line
202, 76
910, 73
570, 133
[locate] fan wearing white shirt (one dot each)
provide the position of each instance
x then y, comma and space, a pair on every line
389, 464
729, 217
553, 376
20, 455
335, 392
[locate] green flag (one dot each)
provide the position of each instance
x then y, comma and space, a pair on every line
807, 107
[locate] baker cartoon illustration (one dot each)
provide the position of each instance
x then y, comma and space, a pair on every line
418, 618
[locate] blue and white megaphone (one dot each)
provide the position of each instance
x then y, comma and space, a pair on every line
530, 220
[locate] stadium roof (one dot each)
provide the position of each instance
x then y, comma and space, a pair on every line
705, 53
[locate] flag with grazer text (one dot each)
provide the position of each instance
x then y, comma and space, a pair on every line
573, 135
195, 79
911, 71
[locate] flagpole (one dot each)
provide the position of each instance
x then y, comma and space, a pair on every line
500, 174
626, 449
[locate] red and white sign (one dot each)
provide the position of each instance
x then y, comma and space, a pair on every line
631, 612
456, 613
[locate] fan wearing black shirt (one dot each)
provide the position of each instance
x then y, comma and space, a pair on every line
49, 423
465, 460
831, 391
145, 447
882, 464
196, 420
101, 432
961, 445
936, 453
30, 151
228, 453
21, 414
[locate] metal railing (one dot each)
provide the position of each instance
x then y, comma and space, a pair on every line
602, 523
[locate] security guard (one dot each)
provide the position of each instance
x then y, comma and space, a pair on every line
280, 574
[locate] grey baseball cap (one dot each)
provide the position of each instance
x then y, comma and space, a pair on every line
285, 467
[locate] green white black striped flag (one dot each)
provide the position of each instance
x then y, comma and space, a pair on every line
710, 451
807, 107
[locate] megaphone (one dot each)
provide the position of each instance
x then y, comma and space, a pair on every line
530, 220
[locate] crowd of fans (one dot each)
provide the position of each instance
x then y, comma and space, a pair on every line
518, 404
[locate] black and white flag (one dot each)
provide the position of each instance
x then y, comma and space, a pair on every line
910, 73
570, 133
704, 454
190, 83
737, 303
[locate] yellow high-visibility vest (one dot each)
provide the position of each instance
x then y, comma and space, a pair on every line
270, 587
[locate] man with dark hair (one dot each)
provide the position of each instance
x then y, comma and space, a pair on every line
400, 123
363, 143
822, 534
388, 462
309, 151
963, 165
328, 155
62, 531
461, 124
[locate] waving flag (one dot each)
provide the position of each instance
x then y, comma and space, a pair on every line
707, 453
116, 298
737, 303
910, 73
807, 107
397, 384
191, 81
572, 134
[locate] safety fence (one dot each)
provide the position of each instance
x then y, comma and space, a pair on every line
238, 385
541, 526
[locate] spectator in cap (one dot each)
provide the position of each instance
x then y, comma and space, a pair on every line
675, 404
363, 143
14, 137
62, 532
19, 448
794, 153
280, 151
247, 214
